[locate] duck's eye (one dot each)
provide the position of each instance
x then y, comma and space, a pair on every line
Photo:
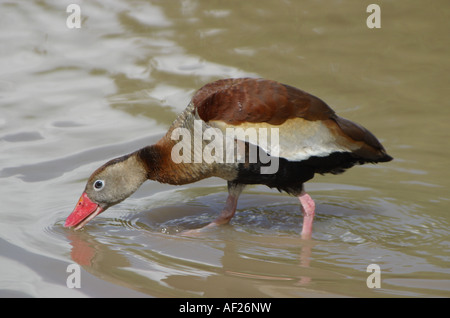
98, 185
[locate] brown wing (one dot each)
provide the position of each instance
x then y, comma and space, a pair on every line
253, 100
308, 126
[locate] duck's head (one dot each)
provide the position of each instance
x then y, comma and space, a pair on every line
110, 184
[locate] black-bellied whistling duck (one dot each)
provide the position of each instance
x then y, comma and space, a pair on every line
306, 137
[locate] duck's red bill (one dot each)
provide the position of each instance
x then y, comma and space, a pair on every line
84, 211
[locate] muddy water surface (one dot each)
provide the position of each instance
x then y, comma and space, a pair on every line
70, 99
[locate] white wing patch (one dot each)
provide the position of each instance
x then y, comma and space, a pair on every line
298, 139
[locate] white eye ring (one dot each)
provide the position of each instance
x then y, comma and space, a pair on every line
98, 185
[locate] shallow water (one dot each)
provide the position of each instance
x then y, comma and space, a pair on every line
70, 99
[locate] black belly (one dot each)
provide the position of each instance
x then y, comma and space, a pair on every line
291, 175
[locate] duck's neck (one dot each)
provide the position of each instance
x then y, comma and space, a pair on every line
158, 163
150, 158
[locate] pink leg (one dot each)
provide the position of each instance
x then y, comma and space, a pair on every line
234, 190
308, 207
